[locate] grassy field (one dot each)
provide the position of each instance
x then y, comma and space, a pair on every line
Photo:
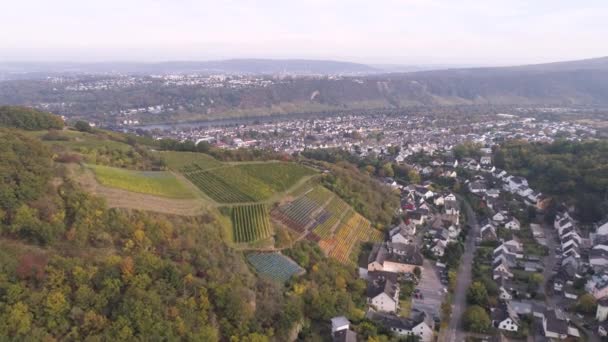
157, 183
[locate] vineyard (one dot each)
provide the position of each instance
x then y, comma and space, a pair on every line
250, 223
344, 246
188, 161
275, 266
328, 220
246, 182
279, 176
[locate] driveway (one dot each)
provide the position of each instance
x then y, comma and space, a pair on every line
431, 289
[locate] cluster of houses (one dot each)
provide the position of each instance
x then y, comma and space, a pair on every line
388, 265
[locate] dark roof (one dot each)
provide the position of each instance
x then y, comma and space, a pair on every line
345, 336
381, 284
396, 322
396, 252
555, 324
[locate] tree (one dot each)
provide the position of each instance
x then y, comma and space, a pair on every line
388, 170
413, 176
83, 126
534, 281
476, 319
417, 272
477, 294
586, 304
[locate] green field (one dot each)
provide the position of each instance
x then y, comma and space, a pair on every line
159, 183
185, 161
250, 223
279, 176
246, 182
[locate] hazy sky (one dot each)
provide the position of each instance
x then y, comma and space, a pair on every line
370, 31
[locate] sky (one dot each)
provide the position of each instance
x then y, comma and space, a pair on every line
475, 32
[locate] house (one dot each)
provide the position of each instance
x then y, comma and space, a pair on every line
602, 329
485, 160
597, 285
493, 193
394, 257
501, 269
451, 207
503, 294
513, 183
345, 336
477, 187
417, 217
339, 323
403, 233
439, 248
419, 324
601, 233
522, 308
601, 313
555, 325
383, 291
511, 247
513, 224
598, 257
488, 231
504, 318
500, 217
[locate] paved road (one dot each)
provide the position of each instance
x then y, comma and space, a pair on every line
455, 332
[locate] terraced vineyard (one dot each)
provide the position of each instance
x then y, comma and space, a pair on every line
275, 266
328, 220
337, 208
344, 245
250, 223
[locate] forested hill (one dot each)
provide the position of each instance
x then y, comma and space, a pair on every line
561, 84
73, 268
575, 173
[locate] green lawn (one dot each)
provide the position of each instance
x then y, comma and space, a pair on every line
159, 183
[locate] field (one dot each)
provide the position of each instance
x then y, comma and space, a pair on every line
158, 183
275, 266
250, 223
184, 161
245, 182
279, 176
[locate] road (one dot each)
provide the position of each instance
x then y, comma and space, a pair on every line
455, 331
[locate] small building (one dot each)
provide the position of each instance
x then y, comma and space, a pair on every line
601, 313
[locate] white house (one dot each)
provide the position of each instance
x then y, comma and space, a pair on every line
504, 318
339, 323
513, 224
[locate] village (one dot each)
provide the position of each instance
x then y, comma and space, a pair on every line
481, 245
538, 280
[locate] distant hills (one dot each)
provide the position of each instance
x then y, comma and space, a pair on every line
583, 82
228, 66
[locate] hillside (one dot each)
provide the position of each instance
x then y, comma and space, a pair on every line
583, 83
85, 265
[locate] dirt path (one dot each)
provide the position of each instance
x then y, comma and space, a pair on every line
117, 198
